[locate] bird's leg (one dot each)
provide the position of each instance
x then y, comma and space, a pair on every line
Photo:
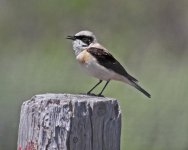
89, 92
100, 94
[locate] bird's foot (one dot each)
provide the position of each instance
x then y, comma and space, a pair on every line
91, 94
100, 95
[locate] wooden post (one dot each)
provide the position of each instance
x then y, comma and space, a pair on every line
69, 122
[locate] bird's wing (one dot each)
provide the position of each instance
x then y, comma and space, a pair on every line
105, 59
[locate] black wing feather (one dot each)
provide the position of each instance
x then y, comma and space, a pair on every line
108, 61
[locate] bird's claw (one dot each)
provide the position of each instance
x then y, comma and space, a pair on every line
91, 94
100, 95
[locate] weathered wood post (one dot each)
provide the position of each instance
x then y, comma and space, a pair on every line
69, 122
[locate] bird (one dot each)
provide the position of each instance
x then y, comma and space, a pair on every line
98, 62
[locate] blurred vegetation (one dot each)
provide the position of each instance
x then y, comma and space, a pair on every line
150, 37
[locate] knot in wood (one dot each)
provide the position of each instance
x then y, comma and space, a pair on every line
75, 139
46, 121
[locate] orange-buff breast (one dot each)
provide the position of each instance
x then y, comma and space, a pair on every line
83, 57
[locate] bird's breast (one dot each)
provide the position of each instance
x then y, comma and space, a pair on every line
91, 66
84, 57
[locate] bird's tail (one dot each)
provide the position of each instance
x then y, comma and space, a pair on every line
138, 87
133, 82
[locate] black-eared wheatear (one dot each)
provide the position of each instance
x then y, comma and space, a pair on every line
98, 62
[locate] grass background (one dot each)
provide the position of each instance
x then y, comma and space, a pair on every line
150, 37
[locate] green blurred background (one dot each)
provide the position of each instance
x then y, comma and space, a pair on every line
150, 37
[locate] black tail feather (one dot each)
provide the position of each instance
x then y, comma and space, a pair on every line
141, 89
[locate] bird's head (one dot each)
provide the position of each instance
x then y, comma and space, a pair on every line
82, 40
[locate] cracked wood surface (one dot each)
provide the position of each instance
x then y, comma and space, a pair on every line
69, 122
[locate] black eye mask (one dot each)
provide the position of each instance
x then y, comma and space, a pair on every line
86, 39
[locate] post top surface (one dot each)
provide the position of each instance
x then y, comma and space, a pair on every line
69, 97
72, 96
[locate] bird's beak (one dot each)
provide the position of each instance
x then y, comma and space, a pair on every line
71, 37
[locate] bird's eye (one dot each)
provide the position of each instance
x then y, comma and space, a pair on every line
86, 40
